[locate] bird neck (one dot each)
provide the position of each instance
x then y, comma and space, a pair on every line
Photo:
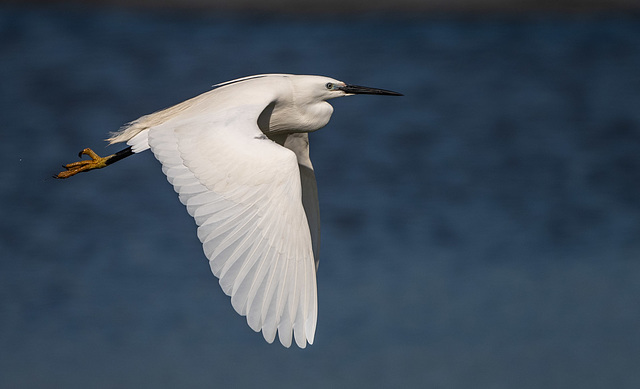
292, 118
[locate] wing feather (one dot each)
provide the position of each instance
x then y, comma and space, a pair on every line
245, 194
246, 276
299, 144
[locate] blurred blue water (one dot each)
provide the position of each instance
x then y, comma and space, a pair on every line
480, 232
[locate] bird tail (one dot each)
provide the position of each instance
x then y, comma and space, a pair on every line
131, 129
126, 132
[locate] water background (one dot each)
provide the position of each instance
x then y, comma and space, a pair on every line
482, 231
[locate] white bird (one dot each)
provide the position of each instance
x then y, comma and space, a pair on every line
238, 156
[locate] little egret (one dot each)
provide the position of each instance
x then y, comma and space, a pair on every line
238, 157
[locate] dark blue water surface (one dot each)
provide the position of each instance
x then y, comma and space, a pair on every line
481, 232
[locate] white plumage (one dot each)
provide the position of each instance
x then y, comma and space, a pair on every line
238, 156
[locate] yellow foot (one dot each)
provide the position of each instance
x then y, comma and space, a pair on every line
96, 162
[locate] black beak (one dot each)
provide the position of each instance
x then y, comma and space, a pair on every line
365, 90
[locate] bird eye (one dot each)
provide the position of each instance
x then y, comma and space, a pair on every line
329, 85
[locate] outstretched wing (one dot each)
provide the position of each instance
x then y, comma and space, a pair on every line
244, 192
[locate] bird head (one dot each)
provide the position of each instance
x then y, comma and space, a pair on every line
325, 88
301, 104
